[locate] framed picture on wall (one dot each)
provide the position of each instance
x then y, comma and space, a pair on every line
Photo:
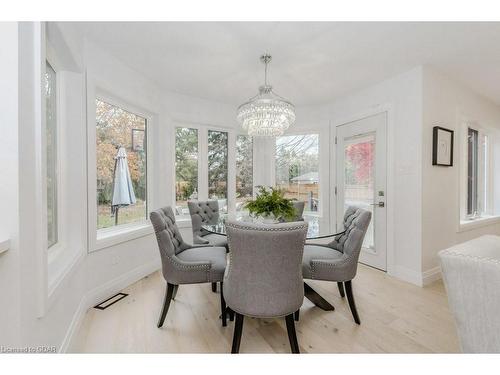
442, 146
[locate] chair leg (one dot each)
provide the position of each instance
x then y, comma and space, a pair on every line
341, 289
296, 315
223, 307
214, 287
174, 293
238, 329
292, 335
350, 298
230, 313
166, 303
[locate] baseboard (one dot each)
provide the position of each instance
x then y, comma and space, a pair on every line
74, 326
417, 278
408, 275
98, 294
429, 276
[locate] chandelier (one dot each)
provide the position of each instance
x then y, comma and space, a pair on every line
266, 114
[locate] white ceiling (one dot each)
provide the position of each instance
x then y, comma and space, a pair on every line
312, 63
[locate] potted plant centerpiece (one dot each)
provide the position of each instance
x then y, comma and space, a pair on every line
271, 206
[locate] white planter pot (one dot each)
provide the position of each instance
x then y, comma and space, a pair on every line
268, 219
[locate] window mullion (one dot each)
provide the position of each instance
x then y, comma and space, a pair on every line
203, 164
231, 172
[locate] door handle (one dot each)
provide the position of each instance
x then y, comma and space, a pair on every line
379, 204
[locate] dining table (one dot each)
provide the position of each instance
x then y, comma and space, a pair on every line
315, 231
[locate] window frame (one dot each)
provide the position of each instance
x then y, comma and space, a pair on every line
203, 129
60, 243
485, 204
477, 185
58, 261
105, 237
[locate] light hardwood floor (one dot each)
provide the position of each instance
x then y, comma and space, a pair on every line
396, 317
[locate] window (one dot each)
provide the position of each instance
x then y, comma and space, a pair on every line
244, 170
186, 168
217, 167
297, 169
121, 157
51, 153
477, 173
201, 175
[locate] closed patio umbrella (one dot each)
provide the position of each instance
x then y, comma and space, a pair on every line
123, 191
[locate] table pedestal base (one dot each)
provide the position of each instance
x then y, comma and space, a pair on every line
315, 298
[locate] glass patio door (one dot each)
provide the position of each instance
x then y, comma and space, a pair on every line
361, 181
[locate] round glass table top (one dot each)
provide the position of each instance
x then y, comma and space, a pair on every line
314, 230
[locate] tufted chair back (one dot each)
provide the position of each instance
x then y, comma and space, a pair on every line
202, 212
264, 273
168, 236
356, 221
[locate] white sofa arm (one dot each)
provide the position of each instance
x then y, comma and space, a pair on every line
471, 273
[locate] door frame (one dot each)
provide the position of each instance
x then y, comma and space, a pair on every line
388, 108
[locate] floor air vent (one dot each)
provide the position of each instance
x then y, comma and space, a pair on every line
110, 301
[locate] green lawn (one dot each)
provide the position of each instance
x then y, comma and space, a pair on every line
126, 215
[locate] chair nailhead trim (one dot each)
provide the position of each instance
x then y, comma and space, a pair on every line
266, 229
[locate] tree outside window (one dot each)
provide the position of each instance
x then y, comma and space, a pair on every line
244, 170
217, 167
186, 168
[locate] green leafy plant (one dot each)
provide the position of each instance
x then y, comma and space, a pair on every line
271, 201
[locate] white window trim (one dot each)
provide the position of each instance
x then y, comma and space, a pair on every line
464, 223
60, 163
184, 221
104, 238
61, 257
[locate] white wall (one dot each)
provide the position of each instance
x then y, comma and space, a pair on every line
446, 103
9, 167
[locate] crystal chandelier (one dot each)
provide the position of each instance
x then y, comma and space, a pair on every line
266, 114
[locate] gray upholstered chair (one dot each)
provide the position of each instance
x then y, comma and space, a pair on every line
338, 260
205, 212
471, 274
299, 210
263, 278
183, 263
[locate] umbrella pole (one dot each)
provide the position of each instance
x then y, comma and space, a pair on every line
116, 215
